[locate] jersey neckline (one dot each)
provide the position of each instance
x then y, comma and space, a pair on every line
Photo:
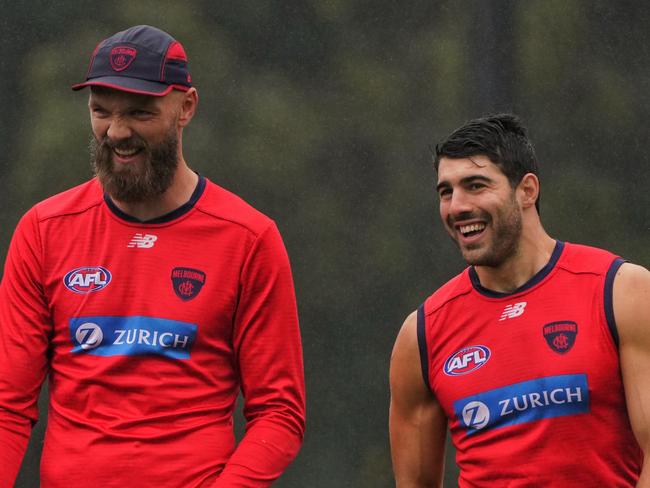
168, 217
537, 278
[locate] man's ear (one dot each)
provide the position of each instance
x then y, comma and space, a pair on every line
529, 190
189, 102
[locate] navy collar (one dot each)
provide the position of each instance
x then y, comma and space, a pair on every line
539, 276
168, 217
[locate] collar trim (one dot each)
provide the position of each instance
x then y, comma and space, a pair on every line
538, 277
163, 219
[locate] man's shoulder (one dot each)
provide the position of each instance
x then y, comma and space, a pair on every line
72, 201
459, 286
225, 205
579, 258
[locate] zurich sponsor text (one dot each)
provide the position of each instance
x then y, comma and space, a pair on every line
528, 401
132, 336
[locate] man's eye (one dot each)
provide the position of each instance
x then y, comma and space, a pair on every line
444, 193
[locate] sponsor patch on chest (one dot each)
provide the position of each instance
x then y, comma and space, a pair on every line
132, 336
541, 398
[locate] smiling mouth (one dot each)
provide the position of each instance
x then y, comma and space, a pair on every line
471, 230
126, 153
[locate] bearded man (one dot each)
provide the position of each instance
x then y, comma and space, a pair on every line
537, 356
151, 297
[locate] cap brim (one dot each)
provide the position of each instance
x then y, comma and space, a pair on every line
131, 85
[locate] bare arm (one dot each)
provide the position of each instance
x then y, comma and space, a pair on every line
632, 312
417, 422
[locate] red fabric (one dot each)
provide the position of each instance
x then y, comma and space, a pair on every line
592, 449
145, 419
176, 51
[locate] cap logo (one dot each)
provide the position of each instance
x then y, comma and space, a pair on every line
121, 57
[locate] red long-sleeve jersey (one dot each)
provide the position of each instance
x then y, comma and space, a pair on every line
148, 331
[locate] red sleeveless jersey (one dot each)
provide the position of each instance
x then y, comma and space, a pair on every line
530, 381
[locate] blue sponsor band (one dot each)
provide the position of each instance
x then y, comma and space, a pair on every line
541, 398
132, 336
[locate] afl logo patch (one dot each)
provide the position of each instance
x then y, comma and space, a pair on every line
466, 360
187, 282
87, 279
121, 57
560, 336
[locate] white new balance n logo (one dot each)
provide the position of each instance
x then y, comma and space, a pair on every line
143, 241
513, 310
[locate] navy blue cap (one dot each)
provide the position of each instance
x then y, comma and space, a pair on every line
141, 59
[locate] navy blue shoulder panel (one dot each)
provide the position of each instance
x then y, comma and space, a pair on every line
422, 344
174, 214
609, 298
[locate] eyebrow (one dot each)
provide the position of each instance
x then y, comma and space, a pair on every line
465, 181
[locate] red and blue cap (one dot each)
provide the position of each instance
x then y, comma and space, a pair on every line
142, 59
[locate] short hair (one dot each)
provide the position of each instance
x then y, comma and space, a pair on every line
500, 137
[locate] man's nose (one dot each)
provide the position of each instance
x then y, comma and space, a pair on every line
460, 203
118, 130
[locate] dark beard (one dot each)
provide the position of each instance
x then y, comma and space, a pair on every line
507, 237
140, 182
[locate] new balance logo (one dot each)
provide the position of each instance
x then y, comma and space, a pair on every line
143, 241
512, 311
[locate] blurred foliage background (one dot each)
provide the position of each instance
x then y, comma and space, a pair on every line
321, 113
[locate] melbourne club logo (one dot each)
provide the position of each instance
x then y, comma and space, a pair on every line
513, 310
121, 57
87, 279
187, 282
560, 336
143, 241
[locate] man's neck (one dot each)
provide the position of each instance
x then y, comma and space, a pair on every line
534, 252
179, 193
